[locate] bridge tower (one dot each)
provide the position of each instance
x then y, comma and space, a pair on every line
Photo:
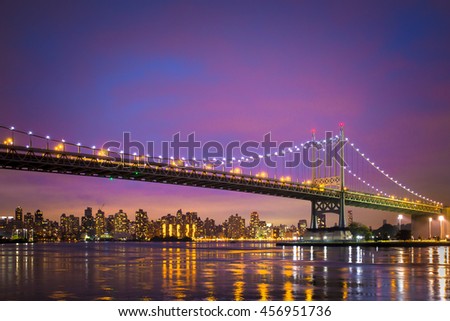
313, 156
320, 207
342, 176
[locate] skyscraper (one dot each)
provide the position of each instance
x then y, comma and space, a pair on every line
236, 227
18, 218
302, 225
109, 224
121, 225
28, 220
100, 223
38, 220
38, 217
19, 214
321, 220
210, 228
191, 225
254, 224
168, 225
69, 227
180, 224
88, 223
88, 212
141, 225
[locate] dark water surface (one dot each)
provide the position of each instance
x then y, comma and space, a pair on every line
221, 271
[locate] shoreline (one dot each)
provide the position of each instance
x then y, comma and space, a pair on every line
426, 243
367, 244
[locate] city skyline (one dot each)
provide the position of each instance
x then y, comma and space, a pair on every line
226, 75
101, 226
155, 216
121, 226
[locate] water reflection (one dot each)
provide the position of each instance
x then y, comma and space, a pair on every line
221, 271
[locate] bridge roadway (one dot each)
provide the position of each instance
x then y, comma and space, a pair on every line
70, 163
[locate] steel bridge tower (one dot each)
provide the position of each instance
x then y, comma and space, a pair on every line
323, 206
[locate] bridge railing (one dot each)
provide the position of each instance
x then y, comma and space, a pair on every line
373, 201
54, 157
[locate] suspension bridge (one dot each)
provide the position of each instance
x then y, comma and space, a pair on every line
357, 181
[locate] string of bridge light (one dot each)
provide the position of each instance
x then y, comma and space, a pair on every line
171, 160
63, 143
186, 162
379, 191
404, 187
379, 170
293, 149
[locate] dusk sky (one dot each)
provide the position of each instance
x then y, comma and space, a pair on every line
227, 70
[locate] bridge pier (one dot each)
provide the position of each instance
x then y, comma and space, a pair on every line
342, 211
314, 215
322, 207
421, 226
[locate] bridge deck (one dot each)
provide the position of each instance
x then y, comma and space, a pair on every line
69, 163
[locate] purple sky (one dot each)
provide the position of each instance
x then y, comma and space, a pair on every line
228, 70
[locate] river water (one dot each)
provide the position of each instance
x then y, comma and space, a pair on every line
221, 271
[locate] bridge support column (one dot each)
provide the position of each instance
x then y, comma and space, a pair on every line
342, 178
342, 211
320, 208
446, 223
313, 224
420, 226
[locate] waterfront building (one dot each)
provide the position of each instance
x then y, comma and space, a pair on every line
191, 228
181, 222
28, 221
263, 230
18, 214
38, 217
121, 225
290, 232
210, 228
110, 225
18, 219
254, 224
100, 224
141, 225
235, 227
168, 225
6, 226
199, 229
88, 223
69, 229
321, 220
302, 226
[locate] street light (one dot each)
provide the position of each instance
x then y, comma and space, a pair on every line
12, 134
441, 219
400, 217
30, 135
429, 227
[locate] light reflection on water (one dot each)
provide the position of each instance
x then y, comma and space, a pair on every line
221, 271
